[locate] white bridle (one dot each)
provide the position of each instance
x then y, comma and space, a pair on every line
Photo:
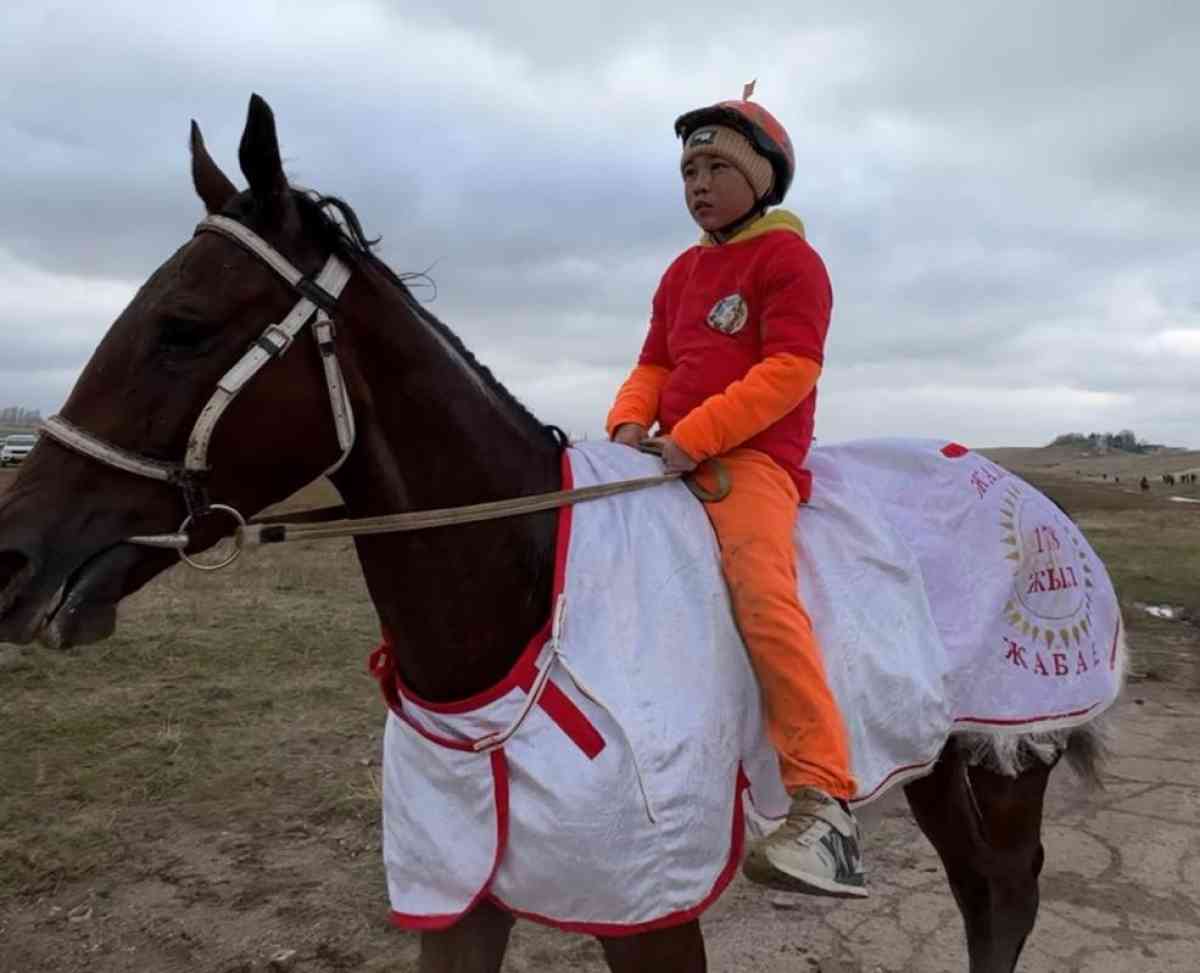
318, 299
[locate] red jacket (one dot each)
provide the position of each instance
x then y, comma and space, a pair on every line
736, 342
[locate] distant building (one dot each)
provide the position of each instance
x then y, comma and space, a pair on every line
19, 417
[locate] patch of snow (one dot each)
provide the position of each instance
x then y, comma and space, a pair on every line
1169, 612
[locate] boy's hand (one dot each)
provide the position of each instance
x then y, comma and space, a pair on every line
629, 434
675, 460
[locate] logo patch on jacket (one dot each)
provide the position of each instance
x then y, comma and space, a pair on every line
729, 314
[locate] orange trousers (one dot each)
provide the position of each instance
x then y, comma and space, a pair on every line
754, 529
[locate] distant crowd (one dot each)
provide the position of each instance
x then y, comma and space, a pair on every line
1168, 479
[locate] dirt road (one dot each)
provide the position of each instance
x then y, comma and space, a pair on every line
1120, 891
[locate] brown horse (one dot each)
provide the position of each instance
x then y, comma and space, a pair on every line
434, 429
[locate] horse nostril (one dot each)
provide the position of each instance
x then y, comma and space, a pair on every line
15, 569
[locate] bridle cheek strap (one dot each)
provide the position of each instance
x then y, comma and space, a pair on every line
324, 331
273, 343
318, 297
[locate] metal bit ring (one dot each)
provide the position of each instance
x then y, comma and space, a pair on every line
237, 540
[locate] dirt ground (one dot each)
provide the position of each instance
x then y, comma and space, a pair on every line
200, 793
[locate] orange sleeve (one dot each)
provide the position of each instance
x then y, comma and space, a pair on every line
770, 390
637, 400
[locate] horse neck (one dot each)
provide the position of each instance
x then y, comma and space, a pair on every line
459, 603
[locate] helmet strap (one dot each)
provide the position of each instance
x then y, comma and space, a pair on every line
733, 227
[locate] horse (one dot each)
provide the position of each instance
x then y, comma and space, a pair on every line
407, 419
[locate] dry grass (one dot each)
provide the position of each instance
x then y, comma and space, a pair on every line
206, 674
1069, 461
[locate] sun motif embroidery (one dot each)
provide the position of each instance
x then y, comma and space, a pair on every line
729, 314
1052, 575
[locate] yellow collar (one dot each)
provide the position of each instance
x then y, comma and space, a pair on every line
778, 219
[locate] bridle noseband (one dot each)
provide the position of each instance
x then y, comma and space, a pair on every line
318, 298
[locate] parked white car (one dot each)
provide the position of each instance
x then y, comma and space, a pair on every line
16, 448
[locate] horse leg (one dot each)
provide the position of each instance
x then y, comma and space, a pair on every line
679, 949
474, 944
987, 829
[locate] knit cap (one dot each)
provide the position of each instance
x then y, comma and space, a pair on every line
732, 146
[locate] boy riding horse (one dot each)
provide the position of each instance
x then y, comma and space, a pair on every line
729, 368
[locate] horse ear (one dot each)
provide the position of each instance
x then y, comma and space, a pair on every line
211, 184
259, 156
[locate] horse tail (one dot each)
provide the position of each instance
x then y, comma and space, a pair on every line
1087, 750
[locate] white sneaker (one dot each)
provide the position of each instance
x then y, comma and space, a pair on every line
814, 851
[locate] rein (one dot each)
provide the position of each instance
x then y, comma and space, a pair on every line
274, 532
318, 299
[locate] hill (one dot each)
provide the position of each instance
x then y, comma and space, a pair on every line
1074, 462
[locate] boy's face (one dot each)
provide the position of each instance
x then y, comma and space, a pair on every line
716, 192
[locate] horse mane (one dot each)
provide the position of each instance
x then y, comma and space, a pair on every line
340, 230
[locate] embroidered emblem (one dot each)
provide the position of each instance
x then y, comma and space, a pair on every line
729, 314
702, 136
1051, 631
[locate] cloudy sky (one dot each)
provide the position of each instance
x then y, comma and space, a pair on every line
1007, 194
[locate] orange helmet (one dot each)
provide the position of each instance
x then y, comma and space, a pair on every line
763, 130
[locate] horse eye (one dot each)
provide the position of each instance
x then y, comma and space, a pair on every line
182, 333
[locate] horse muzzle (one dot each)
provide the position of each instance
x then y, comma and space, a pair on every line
69, 598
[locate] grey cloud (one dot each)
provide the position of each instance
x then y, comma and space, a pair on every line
976, 177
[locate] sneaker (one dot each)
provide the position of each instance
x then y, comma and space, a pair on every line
814, 851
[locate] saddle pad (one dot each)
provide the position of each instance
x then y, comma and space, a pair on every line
600, 786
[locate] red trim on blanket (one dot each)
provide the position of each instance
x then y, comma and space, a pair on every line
1027, 719
403, 920
381, 665
859, 798
441, 741
511, 680
615, 929
1054, 716
954, 450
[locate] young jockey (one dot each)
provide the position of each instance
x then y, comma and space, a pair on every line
729, 368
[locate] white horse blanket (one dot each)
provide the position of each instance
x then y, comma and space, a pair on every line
600, 787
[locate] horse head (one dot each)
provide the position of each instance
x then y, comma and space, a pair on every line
65, 561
